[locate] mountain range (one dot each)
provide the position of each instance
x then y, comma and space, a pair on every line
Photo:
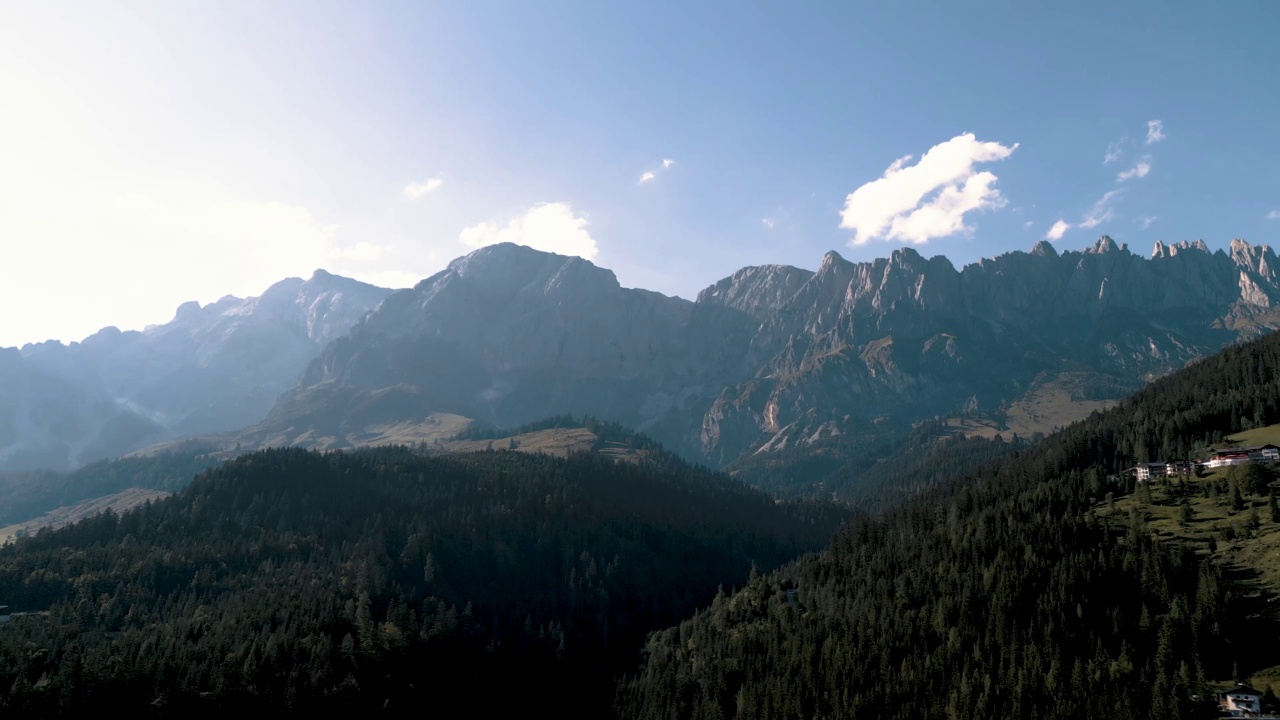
776, 356
211, 369
770, 358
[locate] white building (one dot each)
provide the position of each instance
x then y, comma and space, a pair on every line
1224, 457
1240, 701
1147, 471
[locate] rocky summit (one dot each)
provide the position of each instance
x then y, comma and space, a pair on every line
774, 356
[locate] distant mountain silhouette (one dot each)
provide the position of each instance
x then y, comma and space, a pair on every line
211, 369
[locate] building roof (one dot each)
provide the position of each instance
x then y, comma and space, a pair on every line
1242, 689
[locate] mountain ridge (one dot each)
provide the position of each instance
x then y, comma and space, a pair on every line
768, 358
775, 355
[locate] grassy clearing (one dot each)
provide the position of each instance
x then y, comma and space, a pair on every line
1050, 407
1269, 435
556, 441
559, 442
118, 502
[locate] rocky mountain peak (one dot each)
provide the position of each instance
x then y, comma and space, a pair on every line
1162, 250
1044, 248
1106, 245
756, 290
908, 259
833, 262
1257, 259
187, 312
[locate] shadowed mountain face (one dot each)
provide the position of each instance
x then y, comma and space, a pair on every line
507, 335
774, 356
213, 368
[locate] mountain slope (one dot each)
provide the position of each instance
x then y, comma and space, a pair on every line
211, 369
380, 580
507, 335
1000, 594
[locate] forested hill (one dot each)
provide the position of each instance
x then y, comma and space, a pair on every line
290, 581
1002, 594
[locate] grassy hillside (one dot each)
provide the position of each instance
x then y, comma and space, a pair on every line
1258, 436
116, 502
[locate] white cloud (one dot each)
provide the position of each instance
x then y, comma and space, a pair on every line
1113, 151
902, 204
768, 222
551, 227
1137, 171
1146, 221
1155, 131
1101, 211
1027, 225
652, 174
1058, 230
1273, 215
415, 190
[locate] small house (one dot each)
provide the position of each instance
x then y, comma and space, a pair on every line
1240, 701
1263, 453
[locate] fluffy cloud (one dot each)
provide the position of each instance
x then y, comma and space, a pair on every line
667, 163
1058, 230
1146, 221
1101, 211
1137, 171
917, 203
1155, 131
768, 223
551, 227
646, 177
415, 190
1273, 215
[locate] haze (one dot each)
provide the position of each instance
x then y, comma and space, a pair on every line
153, 153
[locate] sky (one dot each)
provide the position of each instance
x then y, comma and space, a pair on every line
157, 152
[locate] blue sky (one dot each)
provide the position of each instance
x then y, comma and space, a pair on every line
160, 152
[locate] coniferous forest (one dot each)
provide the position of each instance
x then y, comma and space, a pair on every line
291, 581
1001, 593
